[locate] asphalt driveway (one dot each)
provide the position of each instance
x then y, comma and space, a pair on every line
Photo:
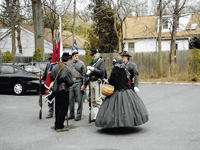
174, 119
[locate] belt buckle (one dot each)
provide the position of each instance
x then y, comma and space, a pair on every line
74, 79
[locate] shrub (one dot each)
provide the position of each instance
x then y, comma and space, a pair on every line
194, 42
37, 55
7, 57
194, 65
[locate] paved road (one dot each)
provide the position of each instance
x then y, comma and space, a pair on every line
174, 124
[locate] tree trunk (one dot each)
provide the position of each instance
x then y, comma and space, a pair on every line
120, 41
38, 25
74, 23
160, 67
13, 40
18, 19
19, 38
12, 20
118, 33
173, 39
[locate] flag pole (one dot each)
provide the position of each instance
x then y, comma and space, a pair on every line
60, 30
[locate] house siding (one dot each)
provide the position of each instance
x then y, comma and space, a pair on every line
150, 45
27, 41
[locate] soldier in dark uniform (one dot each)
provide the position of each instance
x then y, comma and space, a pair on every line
63, 75
96, 71
132, 69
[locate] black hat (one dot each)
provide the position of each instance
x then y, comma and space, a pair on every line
66, 56
74, 52
94, 51
125, 53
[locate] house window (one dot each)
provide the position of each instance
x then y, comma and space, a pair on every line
192, 27
131, 46
165, 23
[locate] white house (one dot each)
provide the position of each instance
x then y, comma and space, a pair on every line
28, 41
141, 33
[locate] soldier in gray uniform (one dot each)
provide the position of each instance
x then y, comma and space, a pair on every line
96, 72
77, 89
132, 69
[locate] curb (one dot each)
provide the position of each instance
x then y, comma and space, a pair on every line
170, 83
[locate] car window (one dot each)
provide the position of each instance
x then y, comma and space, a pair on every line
8, 70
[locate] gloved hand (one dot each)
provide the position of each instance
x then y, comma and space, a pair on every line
105, 81
90, 68
136, 89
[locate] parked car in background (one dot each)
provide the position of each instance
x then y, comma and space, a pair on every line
31, 69
40, 64
18, 80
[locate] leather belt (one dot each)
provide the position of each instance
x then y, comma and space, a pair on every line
76, 79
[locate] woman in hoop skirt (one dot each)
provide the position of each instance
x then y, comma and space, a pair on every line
124, 108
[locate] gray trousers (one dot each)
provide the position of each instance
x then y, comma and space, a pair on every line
75, 92
95, 93
51, 107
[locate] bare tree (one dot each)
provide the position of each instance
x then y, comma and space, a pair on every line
38, 25
178, 7
19, 20
160, 9
52, 10
10, 9
122, 9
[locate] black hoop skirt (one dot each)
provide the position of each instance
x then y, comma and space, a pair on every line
124, 108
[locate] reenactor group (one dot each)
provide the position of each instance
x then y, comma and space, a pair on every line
72, 78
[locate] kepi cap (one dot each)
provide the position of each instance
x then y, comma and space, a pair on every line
125, 53
94, 51
74, 52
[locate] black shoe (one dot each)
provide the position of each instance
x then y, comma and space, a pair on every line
77, 118
70, 117
93, 120
49, 116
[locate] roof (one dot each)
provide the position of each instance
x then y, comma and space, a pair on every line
146, 27
67, 38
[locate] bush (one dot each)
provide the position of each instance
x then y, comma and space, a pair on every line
194, 65
37, 55
194, 42
7, 57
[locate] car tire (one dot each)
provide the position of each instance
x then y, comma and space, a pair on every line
18, 88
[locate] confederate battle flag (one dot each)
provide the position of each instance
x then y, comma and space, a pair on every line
57, 52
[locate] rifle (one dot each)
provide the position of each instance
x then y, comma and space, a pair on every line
40, 98
67, 123
90, 107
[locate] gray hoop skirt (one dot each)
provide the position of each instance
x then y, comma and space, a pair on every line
124, 108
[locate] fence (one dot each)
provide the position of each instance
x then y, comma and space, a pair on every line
147, 63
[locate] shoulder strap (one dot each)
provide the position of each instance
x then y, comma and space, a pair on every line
59, 72
57, 75
77, 70
96, 62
